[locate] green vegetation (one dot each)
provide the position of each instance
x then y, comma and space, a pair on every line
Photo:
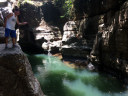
24, 1
66, 5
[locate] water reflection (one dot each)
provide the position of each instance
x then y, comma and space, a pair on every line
57, 79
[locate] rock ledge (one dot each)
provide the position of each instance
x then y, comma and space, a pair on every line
16, 76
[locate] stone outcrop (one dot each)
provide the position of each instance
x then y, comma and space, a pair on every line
40, 30
16, 76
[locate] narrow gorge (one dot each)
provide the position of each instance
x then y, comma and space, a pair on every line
74, 47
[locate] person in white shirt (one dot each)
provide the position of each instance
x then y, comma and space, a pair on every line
9, 24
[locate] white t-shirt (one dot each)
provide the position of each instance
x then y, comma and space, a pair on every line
11, 22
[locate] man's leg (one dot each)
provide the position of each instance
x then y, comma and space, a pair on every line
14, 41
7, 32
13, 35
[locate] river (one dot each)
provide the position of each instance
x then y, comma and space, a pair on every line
58, 79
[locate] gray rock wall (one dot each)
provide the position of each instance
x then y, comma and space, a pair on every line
103, 24
111, 46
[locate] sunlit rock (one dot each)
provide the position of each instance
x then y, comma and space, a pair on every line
70, 26
72, 45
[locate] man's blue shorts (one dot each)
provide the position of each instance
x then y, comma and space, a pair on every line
9, 32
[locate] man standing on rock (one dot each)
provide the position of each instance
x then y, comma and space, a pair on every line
9, 24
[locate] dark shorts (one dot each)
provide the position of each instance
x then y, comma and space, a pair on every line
9, 32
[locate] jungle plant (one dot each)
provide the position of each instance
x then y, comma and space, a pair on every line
66, 5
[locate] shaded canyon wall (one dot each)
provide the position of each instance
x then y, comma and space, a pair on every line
109, 25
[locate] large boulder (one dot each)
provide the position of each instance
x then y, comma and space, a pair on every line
16, 76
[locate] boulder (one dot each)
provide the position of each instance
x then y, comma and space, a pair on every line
16, 76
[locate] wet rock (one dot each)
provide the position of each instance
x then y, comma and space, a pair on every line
17, 78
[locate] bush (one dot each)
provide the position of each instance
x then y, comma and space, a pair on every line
66, 6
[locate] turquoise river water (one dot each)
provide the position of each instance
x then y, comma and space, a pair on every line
57, 79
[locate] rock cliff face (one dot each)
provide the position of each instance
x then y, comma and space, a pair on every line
16, 76
111, 46
103, 25
108, 22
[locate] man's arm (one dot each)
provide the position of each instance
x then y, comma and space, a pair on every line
23, 23
7, 17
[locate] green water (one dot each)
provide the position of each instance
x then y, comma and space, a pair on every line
57, 79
